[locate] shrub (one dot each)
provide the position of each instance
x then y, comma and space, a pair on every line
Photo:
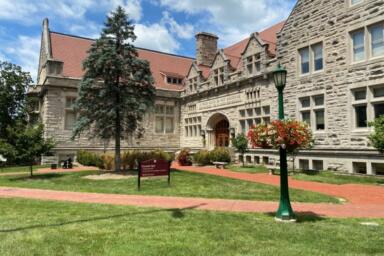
184, 157
202, 157
220, 154
88, 158
377, 137
108, 162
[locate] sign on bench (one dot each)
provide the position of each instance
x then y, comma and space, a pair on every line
154, 168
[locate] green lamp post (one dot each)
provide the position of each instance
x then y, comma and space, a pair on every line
285, 211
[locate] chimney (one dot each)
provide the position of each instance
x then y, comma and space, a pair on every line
206, 48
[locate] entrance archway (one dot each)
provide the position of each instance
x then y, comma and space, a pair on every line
218, 131
222, 133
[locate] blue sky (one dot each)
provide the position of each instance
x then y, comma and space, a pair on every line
164, 25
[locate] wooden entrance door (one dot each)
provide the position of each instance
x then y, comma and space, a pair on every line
222, 134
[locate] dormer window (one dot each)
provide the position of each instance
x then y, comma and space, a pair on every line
253, 64
174, 80
219, 76
192, 84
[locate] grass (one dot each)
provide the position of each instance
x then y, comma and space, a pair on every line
182, 184
248, 168
31, 227
21, 168
334, 178
322, 176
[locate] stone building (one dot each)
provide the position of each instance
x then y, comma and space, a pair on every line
334, 54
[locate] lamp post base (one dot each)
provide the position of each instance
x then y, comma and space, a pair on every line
285, 220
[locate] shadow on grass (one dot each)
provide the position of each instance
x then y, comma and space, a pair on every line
302, 217
45, 176
176, 213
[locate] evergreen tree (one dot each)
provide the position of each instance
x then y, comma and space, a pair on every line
377, 136
117, 88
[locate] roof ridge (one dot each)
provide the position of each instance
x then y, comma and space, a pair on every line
140, 48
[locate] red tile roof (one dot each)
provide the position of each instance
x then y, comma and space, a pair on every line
73, 50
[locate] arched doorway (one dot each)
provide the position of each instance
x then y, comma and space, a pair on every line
222, 133
217, 129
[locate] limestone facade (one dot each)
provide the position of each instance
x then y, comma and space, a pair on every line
226, 91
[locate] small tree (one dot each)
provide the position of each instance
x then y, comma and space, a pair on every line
26, 144
14, 84
240, 143
377, 136
117, 88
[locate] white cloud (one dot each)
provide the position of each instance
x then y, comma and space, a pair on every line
155, 37
24, 52
184, 31
233, 20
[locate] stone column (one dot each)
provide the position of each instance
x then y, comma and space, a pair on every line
210, 139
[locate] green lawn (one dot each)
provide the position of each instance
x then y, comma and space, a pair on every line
248, 168
334, 178
31, 227
322, 176
20, 168
182, 184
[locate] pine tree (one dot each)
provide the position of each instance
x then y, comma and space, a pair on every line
117, 88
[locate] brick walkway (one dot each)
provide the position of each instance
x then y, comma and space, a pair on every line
363, 201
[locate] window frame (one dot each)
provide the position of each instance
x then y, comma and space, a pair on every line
310, 47
69, 109
164, 115
312, 109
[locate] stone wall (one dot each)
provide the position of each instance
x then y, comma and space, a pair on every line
53, 112
330, 22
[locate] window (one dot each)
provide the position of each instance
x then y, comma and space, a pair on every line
317, 56
353, 2
311, 109
368, 104
317, 165
358, 41
306, 117
319, 114
193, 126
304, 60
254, 116
174, 80
311, 58
193, 82
377, 40
361, 116
305, 102
253, 64
164, 118
70, 115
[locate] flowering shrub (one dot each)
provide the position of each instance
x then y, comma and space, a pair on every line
291, 133
184, 157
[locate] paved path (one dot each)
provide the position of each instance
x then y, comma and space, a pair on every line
363, 200
330, 210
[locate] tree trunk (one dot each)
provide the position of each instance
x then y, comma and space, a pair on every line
242, 161
117, 143
31, 170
